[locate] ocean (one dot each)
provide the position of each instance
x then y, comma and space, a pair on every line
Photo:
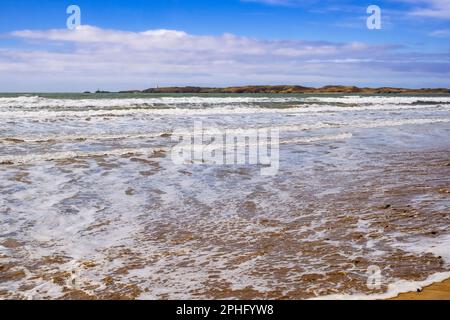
92, 203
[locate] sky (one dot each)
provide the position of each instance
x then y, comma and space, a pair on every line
137, 44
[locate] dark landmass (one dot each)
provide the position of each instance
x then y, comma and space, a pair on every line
293, 89
101, 91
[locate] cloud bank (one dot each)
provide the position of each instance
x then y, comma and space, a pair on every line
89, 58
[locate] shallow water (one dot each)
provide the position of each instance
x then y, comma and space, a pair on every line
92, 205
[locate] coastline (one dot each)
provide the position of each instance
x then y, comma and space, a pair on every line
435, 287
289, 89
436, 291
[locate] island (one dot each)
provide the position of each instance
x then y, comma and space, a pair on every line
291, 89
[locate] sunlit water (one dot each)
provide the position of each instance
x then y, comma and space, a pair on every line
92, 204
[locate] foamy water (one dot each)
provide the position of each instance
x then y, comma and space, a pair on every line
92, 205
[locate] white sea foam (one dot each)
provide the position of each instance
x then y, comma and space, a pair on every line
285, 128
31, 158
342, 136
394, 289
227, 110
40, 102
381, 99
439, 246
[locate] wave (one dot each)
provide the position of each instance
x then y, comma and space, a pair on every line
76, 154
39, 102
394, 289
36, 102
437, 246
31, 158
168, 133
342, 136
380, 100
79, 138
227, 110
65, 155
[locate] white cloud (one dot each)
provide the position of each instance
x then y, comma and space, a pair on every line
171, 40
421, 8
443, 33
91, 57
430, 8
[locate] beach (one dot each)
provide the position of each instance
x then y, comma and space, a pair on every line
95, 203
438, 291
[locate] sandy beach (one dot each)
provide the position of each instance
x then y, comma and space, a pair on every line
437, 291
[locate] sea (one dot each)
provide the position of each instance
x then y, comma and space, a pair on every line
93, 205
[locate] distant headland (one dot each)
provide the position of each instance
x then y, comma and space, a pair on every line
290, 89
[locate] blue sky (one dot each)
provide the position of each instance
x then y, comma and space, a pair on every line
139, 44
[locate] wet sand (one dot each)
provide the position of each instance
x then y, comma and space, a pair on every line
260, 247
437, 291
